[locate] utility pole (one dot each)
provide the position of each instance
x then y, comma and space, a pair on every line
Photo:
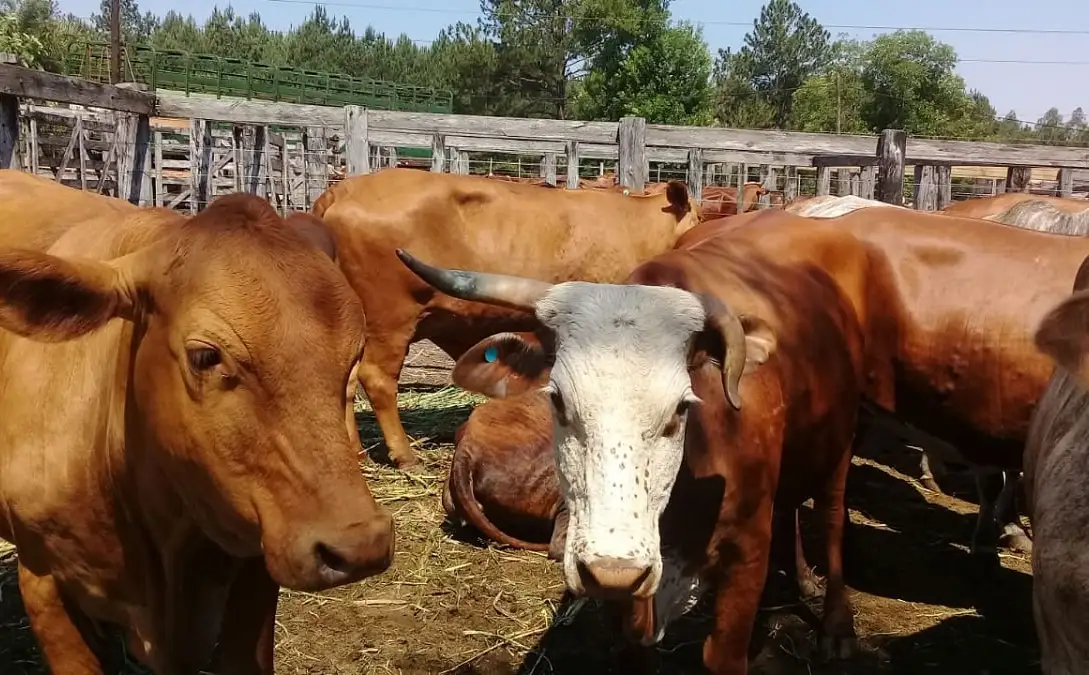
115, 41
839, 109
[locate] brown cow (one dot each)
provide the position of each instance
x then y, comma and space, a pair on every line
470, 221
988, 206
714, 388
178, 436
954, 353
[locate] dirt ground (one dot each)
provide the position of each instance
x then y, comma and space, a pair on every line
453, 605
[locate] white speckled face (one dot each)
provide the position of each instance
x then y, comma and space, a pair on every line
620, 389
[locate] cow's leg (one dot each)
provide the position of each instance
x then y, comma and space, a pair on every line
931, 466
737, 599
246, 639
838, 618
808, 586
62, 643
984, 548
383, 358
1011, 534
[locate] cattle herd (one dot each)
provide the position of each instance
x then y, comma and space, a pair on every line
668, 385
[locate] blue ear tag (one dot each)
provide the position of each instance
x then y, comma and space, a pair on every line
491, 354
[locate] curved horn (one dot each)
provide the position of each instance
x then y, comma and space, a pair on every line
733, 338
496, 289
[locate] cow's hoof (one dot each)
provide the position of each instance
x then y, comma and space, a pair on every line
838, 648
808, 585
931, 485
1018, 542
413, 466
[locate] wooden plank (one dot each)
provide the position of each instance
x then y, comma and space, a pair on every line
695, 173
890, 170
82, 149
200, 163
944, 178
157, 137
227, 109
1066, 182
767, 179
843, 182
548, 168
77, 130
790, 183
438, 153
1017, 178
824, 181
631, 141
494, 127
926, 188
236, 151
855, 187
867, 181
459, 161
38, 84
133, 136
572, 165
255, 159
835, 161
357, 149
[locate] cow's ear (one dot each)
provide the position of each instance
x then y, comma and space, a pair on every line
503, 365
51, 299
1063, 335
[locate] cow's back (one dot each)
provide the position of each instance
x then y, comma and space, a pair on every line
469, 222
988, 206
968, 295
34, 213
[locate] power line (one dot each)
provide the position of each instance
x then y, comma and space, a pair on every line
744, 24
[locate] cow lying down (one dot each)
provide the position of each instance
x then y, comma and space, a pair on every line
713, 389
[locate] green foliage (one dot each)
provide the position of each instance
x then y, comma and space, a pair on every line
664, 79
595, 59
784, 49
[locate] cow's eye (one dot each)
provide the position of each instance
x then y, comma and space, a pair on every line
202, 357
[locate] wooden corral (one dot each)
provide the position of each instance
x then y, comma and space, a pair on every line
181, 151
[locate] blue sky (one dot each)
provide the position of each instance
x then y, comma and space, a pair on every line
1030, 89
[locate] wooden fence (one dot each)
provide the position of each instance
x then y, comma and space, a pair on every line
181, 151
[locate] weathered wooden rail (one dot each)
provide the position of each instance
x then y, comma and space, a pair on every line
181, 151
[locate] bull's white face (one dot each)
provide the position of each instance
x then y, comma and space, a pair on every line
620, 390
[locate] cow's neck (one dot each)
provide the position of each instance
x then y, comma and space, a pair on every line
185, 575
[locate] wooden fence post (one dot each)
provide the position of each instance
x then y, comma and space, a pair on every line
252, 151
133, 157
790, 184
843, 181
572, 165
1017, 178
200, 163
632, 153
867, 181
9, 132
768, 176
944, 178
237, 133
926, 188
1066, 182
891, 151
438, 153
548, 168
824, 181
695, 173
357, 149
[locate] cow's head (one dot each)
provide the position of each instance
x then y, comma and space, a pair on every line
620, 390
240, 380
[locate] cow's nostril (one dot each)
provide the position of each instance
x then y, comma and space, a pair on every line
331, 559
